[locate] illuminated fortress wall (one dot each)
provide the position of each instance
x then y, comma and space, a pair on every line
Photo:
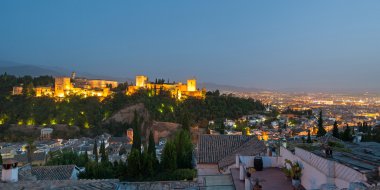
192, 85
141, 81
62, 86
96, 83
65, 86
177, 90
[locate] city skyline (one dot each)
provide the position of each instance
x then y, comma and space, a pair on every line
268, 45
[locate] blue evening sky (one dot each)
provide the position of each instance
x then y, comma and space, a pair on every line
295, 44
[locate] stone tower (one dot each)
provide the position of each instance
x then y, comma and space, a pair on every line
61, 85
192, 85
141, 81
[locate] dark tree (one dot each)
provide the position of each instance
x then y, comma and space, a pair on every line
308, 137
321, 130
136, 132
185, 122
335, 131
134, 165
347, 136
95, 151
169, 157
30, 149
152, 145
147, 164
86, 157
184, 149
103, 154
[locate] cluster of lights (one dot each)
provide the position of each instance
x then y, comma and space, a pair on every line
3, 118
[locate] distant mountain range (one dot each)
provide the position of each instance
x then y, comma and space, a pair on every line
213, 86
19, 69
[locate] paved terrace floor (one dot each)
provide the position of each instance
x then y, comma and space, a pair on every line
270, 179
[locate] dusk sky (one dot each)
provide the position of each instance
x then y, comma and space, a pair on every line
264, 44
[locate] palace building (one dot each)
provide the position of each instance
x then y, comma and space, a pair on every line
81, 86
65, 86
177, 90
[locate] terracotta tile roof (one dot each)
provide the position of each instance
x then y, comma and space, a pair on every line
221, 149
253, 147
23, 158
106, 184
61, 172
118, 140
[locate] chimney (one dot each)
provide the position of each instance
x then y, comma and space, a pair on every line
9, 172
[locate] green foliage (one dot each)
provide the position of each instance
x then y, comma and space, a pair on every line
372, 135
296, 112
95, 151
98, 171
147, 164
295, 169
335, 131
30, 149
152, 145
346, 135
90, 113
103, 154
185, 122
321, 130
134, 169
286, 171
335, 144
184, 149
67, 158
308, 137
169, 157
136, 124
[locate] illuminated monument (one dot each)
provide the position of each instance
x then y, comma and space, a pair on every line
62, 86
65, 86
177, 90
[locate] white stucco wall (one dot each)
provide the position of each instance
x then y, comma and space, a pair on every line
268, 162
316, 170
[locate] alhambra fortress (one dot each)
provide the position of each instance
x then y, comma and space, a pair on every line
66, 86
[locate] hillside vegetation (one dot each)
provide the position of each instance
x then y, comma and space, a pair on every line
92, 115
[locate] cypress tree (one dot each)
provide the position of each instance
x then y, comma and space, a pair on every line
308, 137
184, 149
335, 130
169, 157
136, 133
347, 134
86, 157
104, 156
321, 130
147, 164
152, 145
95, 151
134, 165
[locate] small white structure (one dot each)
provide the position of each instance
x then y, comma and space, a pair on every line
46, 133
9, 172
